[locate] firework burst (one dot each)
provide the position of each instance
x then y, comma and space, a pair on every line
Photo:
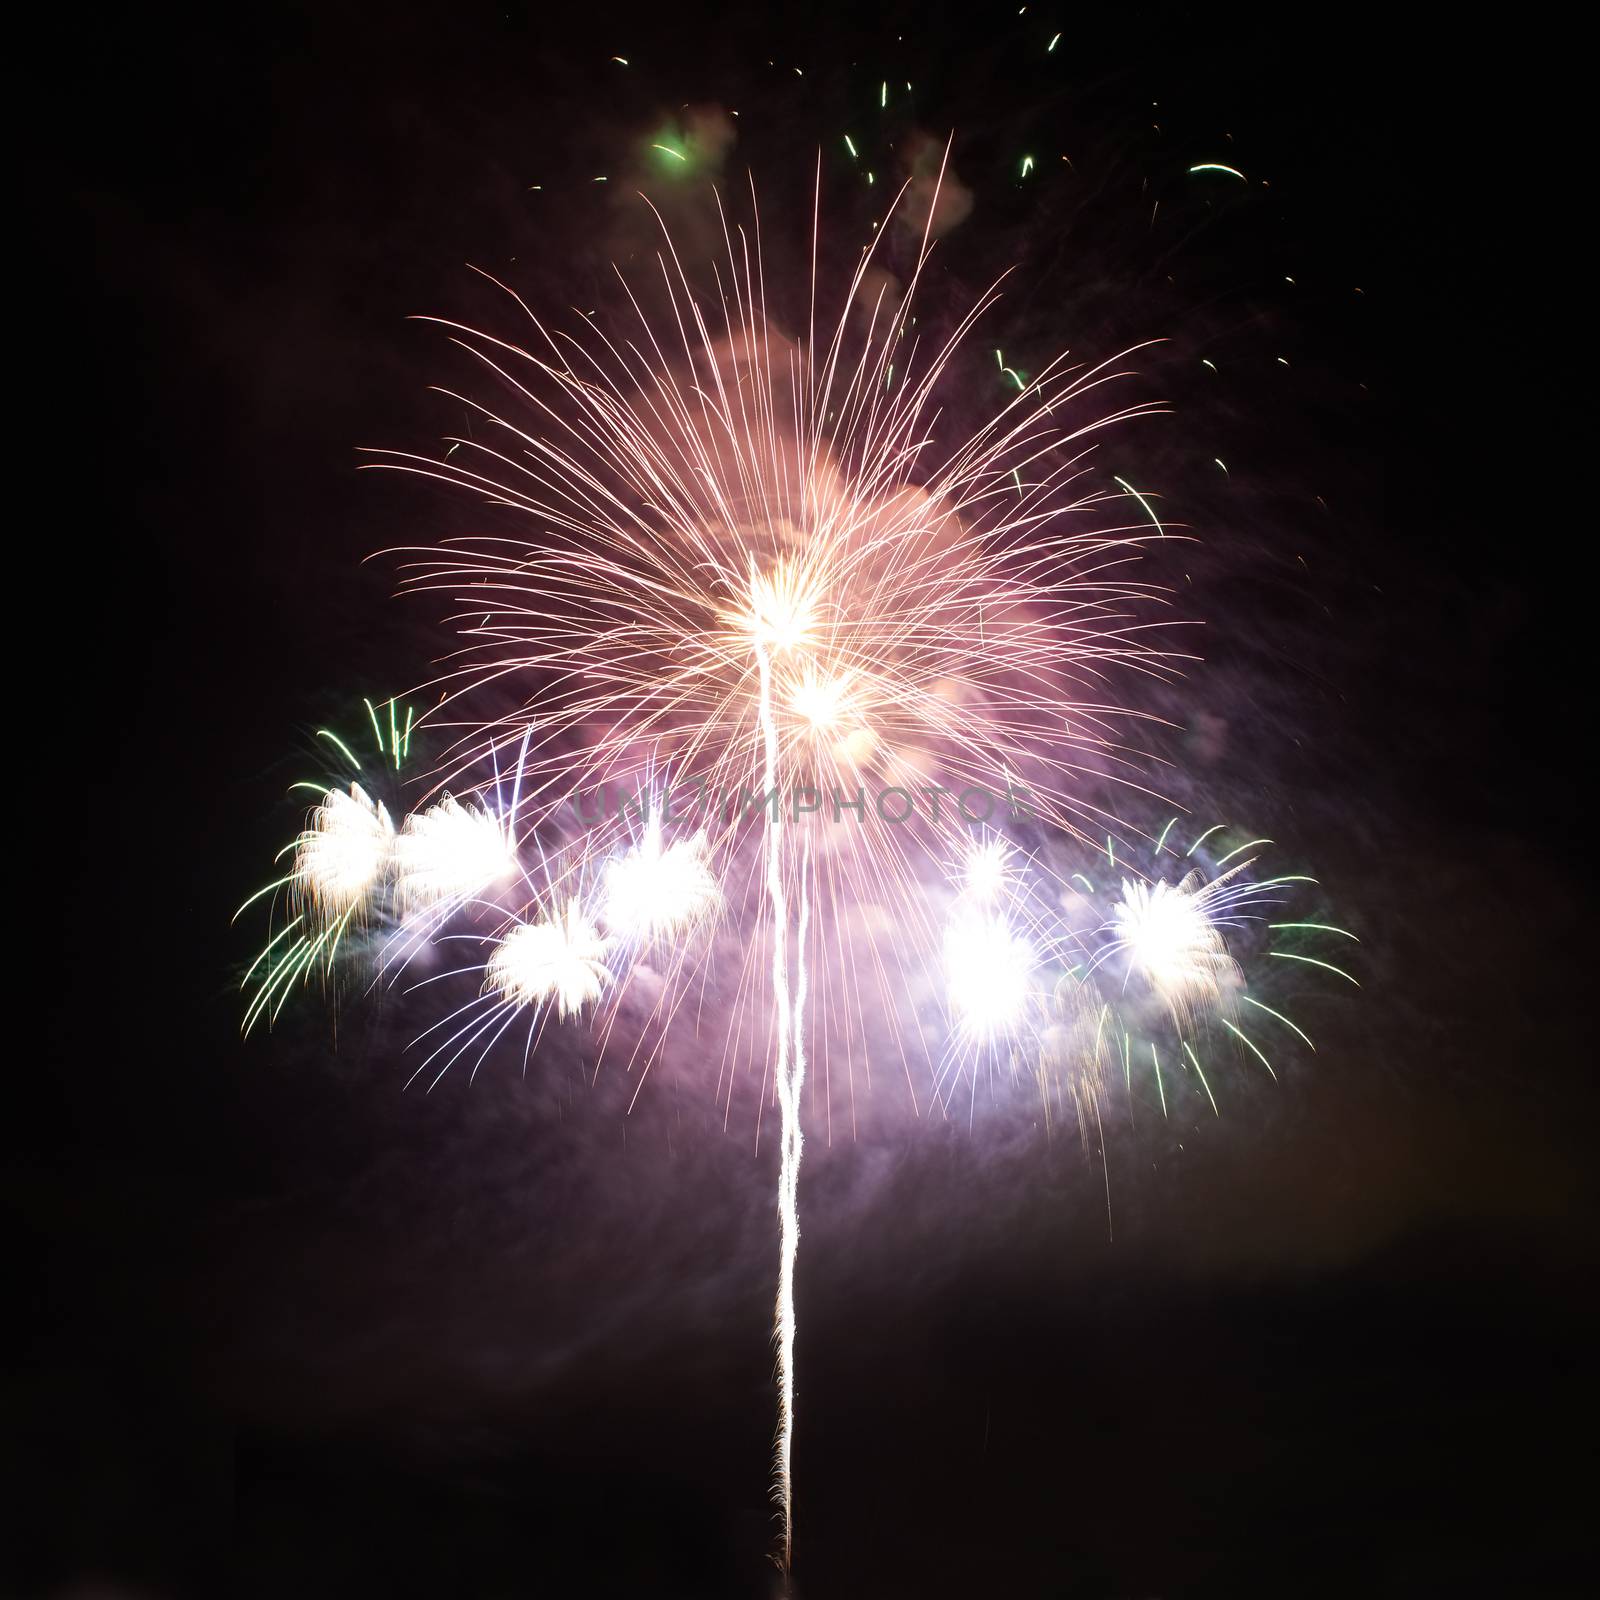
341, 866
450, 853
558, 962
754, 557
656, 891
760, 566
1167, 959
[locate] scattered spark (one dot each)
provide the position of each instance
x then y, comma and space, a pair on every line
1149, 511
1311, 961
1200, 1073
1249, 1043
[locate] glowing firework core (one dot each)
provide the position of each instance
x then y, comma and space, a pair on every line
655, 891
989, 971
986, 872
451, 852
559, 961
779, 609
344, 852
1172, 943
822, 702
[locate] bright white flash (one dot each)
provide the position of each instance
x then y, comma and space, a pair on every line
654, 891
985, 873
560, 962
344, 852
451, 852
988, 973
1171, 942
780, 608
820, 700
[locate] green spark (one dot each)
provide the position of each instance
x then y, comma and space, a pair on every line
1222, 861
277, 883
327, 733
266, 949
1258, 1055
1279, 1015
1217, 166
1203, 1084
1311, 961
1011, 372
1321, 927
849, 145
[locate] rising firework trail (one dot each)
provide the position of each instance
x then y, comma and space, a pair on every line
790, 1070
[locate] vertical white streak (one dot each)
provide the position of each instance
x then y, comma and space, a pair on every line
790, 1073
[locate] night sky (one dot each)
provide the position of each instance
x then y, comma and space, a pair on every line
286, 1330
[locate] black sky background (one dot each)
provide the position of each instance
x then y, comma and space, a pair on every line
286, 1330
